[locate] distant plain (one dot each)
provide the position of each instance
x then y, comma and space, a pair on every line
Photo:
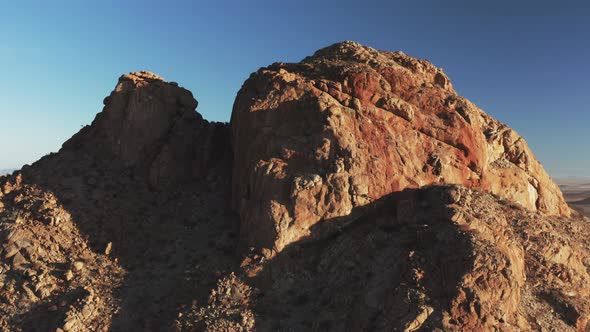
576, 193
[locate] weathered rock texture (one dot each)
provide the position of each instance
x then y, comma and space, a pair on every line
151, 125
437, 258
140, 198
129, 226
348, 125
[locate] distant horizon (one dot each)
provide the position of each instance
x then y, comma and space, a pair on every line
62, 58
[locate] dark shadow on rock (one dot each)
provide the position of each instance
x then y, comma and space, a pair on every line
390, 264
42, 318
171, 241
566, 311
270, 162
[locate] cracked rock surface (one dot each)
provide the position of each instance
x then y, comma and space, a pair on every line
366, 123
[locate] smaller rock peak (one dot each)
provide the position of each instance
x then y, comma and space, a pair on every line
143, 75
139, 79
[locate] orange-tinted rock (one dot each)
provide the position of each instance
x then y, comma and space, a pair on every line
350, 124
134, 209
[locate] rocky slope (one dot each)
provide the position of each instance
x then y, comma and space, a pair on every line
437, 258
139, 197
325, 205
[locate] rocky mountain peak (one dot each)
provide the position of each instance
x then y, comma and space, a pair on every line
151, 125
140, 78
350, 124
352, 54
354, 190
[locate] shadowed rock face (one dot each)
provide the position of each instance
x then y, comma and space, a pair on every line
436, 258
350, 124
151, 125
140, 197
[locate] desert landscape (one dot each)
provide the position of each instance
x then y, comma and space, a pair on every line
353, 190
577, 193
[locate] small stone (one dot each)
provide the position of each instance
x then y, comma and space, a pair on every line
38, 286
69, 275
109, 248
452, 196
44, 292
267, 253
11, 251
52, 308
18, 259
78, 265
30, 272
86, 311
69, 324
30, 294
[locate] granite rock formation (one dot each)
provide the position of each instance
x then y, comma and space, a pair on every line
349, 125
139, 197
151, 126
368, 196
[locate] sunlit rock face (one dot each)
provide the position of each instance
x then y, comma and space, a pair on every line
342, 128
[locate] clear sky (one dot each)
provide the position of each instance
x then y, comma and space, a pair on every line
524, 62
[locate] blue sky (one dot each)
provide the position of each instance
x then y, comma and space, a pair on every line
527, 64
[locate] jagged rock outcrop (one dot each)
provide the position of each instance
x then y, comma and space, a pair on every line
151, 125
49, 276
139, 197
348, 125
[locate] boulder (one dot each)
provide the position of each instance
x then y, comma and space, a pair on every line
316, 139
